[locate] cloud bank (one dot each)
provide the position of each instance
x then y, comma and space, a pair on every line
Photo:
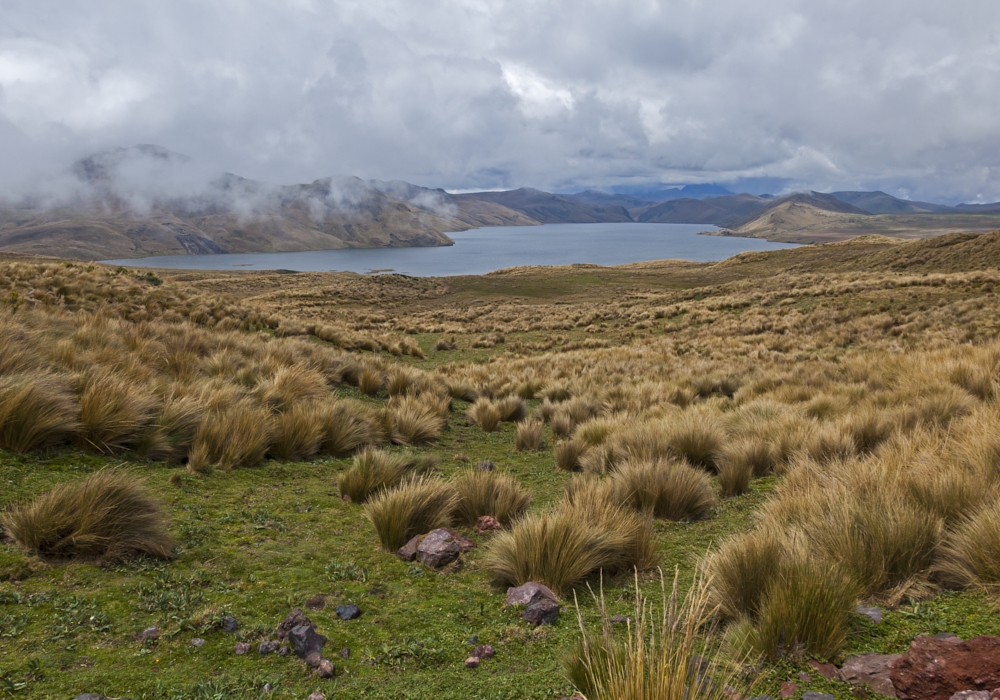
556, 94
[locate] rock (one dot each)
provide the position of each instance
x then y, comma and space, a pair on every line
408, 552
474, 639
284, 651
472, 662
149, 633
324, 669
828, 671
542, 610
345, 653
812, 695
314, 659
936, 669
317, 696
305, 640
485, 466
873, 614
971, 695
464, 543
267, 647
294, 619
267, 688
90, 696
229, 624
197, 642
317, 602
437, 548
487, 523
787, 690
805, 677
484, 651
761, 697
947, 635
522, 595
348, 612
619, 620
871, 670
241, 648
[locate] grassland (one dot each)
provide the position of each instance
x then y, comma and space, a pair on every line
870, 364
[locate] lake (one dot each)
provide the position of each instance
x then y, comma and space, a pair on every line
486, 249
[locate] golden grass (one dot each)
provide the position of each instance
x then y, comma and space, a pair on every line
490, 493
415, 507
298, 432
671, 490
485, 413
375, 470
36, 412
237, 436
530, 436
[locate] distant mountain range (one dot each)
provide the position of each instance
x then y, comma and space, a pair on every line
145, 200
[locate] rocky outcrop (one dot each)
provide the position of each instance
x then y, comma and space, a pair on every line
936, 669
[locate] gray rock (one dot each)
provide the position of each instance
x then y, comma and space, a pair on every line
871, 670
484, 651
813, 695
197, 642
472, 662
474, 639
485, 466
267, 647
229, 624
149, 633
314, 659
619, 620
872, 613
464, 543
241, 648
345, 653
90, 696
947, 635
317, 696
325, 669
408, 552
438, 548
542, 610
268, 687
294, 619
348, 612
971, 695
522, 595
284, 651
305, 640
762, 697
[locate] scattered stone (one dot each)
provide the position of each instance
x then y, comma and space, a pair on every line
619, 620
345, 653
229, 624
314, 659
474, 639
305, 640
522, 595
317, 696
485, 466
294, 619
90, 696
805, 677
872, 613
947, 635
472, 662
268, 688
267, 647
197, 642
284, 651
827, 670
437, 548
762, 697
348, 612
484, 651
408, 552
813, 695
241, 648
971, 695
345, 498
464, 543
542, 610
487, 523
871, 670
325, 669
787, 690
317, 602
149, 633
934, 669
461, 457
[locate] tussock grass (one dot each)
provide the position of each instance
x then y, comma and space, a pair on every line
490, 493
239, 436
671, 490
370, 381
698, 439
376, 470
298, 432
970, 553
417, 420
113, 412
169, 437
486, 414
512, 409
106, 515
347, 426
415, 507
742, 570
530, 436
568, 454
36, 411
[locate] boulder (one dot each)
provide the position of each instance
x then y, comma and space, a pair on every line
408, 552
229, 624
241, 648
325, 669
438, 548
294, 619
305, 640
484, 651
872, 613
541, 610
472, 662
267, 647
486, 523
348, 612
936, 669
871, 670
522, 595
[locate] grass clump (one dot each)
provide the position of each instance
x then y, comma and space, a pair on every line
672, 490
568, 454
375, 470
416, 420
490, 493
970, 554
36, 412
486, 414
743, 569
347, 426
238, 436
107, 515
414, 507
298, 432
530, 436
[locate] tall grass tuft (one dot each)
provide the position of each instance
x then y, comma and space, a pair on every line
347, 426
490, 493
530, 436
742, 570
485, 413
415, 420
238, 436
970, 554
375, 470
107, 515
298, 432
168, 438
734, 477
415, 507
113, 412
36, 411
568, 454
698, 439
512, 409
672, 490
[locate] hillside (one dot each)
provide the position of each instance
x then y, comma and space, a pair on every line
882, 203
717, 211
547, 208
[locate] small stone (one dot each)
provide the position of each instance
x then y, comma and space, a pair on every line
284, 651
294, 619
971, 695
345, 653
241, 648
197, 642
827, 670
619, 620
762, 697
90, 696
305, 641
472, 662
812, 695
149, 633
522, 595
873, 614
229, 624
474, 639
805, 677
314, 659
408, 552
461, 457
348, 612
325, 669
484, 651
485, 466
787, 690
542, 610
487, 523
317, 696
947, 636
438, 548
268, 688
317, 602
267, 647
871, 670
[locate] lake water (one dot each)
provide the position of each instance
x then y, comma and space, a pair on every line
486, 249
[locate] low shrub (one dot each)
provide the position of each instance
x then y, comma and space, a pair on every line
415, 507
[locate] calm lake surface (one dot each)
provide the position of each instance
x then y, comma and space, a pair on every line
486, 249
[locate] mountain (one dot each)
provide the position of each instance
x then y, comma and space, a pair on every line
794, 211
606, 199
548, 208
471, 212
882, 203
717, 211
663, 194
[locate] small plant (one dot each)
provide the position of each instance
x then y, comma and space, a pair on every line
414, 507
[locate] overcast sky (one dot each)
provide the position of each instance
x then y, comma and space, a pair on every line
902, 95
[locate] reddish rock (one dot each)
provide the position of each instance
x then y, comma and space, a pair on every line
787, 690
522, 595
464, 543
241, 648
871, 670
408, 552
484, 651
828, 671
472, 662
805, 677
936, 669
438, 548
971, 695
487, 523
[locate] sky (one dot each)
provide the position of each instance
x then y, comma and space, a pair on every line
898, 95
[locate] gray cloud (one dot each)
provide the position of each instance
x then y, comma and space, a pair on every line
898, 95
